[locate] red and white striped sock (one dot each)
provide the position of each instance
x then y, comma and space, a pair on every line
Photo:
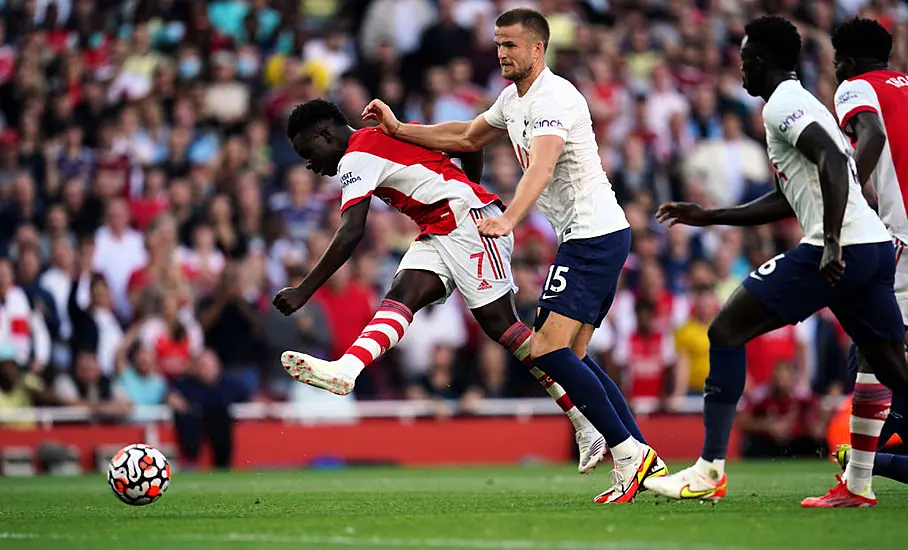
381, 334
517, 341
869, 409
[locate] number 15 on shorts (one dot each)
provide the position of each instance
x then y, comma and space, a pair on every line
555, 283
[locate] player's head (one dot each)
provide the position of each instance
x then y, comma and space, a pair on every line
319, 132
522, 36
771, 46
861, 45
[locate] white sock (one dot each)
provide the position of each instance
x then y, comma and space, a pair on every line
625, 451
350, 368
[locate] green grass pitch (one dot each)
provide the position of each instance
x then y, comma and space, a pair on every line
515, 508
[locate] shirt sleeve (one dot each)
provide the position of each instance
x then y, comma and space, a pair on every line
361, 173
495, 114
552, 116
853, 97
786, 118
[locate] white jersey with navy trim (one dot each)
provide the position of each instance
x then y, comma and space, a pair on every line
579, 201
789, 111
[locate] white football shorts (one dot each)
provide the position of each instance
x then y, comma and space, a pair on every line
479, 267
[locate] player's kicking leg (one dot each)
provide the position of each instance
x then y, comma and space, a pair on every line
499, 321
741, 319
411, 291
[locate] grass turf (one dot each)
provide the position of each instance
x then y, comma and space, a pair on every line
517, 508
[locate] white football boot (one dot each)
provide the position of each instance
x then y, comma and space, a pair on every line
592, 448
327, 375
690, 484
627, 479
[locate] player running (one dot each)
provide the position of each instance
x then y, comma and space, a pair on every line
872, 107
846, 260
429, 188
550, 127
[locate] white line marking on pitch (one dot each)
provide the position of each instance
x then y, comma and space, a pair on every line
383, 542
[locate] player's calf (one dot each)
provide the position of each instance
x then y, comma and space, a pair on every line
500, 323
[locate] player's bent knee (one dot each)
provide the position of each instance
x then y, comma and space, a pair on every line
719, 335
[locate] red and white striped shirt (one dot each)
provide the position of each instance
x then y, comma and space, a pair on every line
424, 185
886, 94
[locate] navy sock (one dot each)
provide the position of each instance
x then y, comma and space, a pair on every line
891, 466
616, 398
586, 392
724, 387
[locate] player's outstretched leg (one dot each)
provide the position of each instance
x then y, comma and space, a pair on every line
499, 321
741, 319
411, 291
552, 353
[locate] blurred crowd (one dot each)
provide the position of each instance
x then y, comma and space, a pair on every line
150, 205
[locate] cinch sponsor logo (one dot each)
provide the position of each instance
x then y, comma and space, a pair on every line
348, 179
790, 119
898, 81
845, 98
553, 123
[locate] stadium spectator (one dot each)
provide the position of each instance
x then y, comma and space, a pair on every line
648, 357
232, 327
156, 129
138, 376
19, 388
89, 387
778, 421
200, 400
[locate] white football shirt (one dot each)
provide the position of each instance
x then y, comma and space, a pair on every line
789, 111
579, 201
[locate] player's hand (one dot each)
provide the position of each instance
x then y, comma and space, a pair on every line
832, 265
494, 227
379, 111
687, 213
290, 299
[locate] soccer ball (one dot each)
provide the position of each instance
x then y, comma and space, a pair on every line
138, 474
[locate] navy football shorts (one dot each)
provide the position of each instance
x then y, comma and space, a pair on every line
791, 286
584, 278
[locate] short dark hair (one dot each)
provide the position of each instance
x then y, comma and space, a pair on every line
312, 112
863, 38
530, 19
778, 37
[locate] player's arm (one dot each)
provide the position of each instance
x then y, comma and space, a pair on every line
866, 129
769, 208
544, 153
361, 173
344, 242
453, 136
818, 147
